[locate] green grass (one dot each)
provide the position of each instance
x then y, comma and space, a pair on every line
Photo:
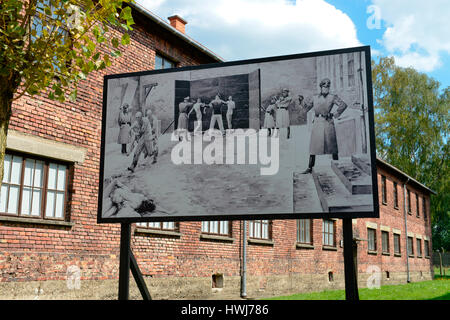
425, 290
445, 273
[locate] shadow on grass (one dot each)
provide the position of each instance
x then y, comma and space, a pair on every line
443, 297
439, 277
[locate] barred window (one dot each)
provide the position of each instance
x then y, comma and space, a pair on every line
304, 231
426, 248
328, 233
372, 237
34, 187
259, 229
216, 227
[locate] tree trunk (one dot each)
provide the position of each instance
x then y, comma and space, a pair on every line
5, 114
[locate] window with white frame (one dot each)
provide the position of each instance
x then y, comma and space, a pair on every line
304, 231
216, 227
372, 237
34, 187
385, 241
328, 233
259, 229
168, 225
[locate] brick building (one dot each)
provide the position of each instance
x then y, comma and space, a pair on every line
48, 210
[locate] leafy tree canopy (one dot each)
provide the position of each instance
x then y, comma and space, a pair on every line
412, 131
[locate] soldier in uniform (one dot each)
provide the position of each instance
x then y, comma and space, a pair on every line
124, 121
269, 122
282, 114
144, 137
183, 116
323, 133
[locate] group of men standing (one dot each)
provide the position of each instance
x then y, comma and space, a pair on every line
199, 108
323, 134
141, 133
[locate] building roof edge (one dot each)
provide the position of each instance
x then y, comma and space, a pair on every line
405, 175
174, 31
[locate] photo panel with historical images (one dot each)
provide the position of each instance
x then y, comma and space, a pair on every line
193, 143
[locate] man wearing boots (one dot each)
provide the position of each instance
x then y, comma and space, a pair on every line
323, 133
144, 137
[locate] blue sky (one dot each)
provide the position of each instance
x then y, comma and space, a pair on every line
415, 32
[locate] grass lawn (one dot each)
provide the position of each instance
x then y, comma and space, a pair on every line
445, 273
425, 290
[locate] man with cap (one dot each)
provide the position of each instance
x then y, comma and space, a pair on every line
124, 121
282, 114
323, 133
144, 136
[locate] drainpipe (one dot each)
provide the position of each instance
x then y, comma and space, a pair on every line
406, 231
244, 261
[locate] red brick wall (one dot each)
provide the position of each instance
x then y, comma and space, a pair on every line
87, 244
36, 252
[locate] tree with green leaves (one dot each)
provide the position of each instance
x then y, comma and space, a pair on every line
48, 46
412, 131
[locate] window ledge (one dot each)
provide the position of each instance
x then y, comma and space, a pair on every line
397, 254
329, 248
396, 208
216, 238
427, 257
266, 242
384, 203
372, 252
411, 256
37, 221
386, 253
163, 233
300, 245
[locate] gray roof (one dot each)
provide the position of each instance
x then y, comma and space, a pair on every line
174, 31
407, 177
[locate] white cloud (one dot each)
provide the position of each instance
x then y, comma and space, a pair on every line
243, 29
417, 32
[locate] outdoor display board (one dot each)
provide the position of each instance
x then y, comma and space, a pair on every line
271, 138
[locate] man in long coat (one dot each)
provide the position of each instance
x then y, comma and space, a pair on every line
323, 133
124, 121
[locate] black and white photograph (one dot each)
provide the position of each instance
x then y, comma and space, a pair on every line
287, 136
